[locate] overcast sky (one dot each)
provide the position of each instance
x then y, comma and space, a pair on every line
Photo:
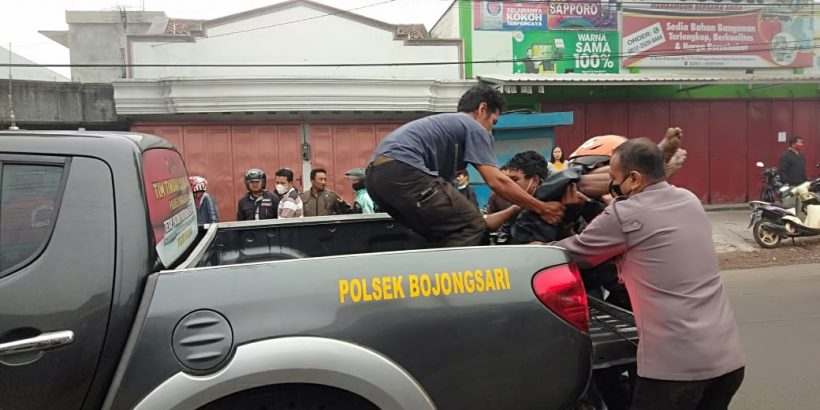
22, 19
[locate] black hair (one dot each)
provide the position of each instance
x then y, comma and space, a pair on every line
530, 163
793, 140
462, 172
284, 172
315, 171
552, 154
478, 94
641, 155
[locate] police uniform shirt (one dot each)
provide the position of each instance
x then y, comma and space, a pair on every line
669, 264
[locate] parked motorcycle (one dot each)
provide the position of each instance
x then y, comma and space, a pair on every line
771, 222
771, 183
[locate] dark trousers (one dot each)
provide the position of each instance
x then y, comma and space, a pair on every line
430, 206
711, 394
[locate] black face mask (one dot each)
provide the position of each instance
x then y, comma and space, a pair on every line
615, 189
358, 185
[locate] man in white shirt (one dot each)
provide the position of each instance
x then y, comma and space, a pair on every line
290, 204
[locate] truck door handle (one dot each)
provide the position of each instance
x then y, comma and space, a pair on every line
44, 341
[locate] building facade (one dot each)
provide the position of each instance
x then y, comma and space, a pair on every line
739, 77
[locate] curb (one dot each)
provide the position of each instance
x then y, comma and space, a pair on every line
727, 207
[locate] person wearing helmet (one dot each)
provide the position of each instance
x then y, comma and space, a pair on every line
594, 155
362, 203
258, 203
206, 211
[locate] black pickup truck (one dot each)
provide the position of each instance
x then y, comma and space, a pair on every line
112, 297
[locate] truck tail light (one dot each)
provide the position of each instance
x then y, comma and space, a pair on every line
561, 290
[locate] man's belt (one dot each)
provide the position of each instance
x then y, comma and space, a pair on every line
381, 159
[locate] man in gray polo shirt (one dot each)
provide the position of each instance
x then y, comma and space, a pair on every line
689, 354
410, 173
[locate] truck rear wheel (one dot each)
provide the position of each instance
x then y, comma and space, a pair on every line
292, 397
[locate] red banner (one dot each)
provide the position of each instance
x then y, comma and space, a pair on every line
749, 39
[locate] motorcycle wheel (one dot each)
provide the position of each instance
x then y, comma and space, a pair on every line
764, 237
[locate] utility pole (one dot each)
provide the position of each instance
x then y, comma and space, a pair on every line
124, 21
13, 126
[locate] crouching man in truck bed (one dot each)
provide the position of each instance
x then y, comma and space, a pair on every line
409, 174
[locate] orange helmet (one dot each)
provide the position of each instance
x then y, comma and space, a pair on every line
596, 150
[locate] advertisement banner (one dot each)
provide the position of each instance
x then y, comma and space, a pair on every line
508, 16
582, 15
171, 208
551, 52
715, 34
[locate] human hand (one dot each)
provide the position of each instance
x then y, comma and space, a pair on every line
675, 163
552, 212
595, 183
670, 143
573, 197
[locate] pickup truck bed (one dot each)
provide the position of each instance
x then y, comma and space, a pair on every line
612, 329
614, 335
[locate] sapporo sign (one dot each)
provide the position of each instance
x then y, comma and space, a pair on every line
715, 33
582, 15
552, 52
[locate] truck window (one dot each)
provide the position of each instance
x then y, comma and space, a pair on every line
170, 202
28, 197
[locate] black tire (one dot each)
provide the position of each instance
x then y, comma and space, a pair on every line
292, 397
765, 238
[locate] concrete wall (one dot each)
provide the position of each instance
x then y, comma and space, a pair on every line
61, 105
98, 37
329, 40
99, 44
447, 26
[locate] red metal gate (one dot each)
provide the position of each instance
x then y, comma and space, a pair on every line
724, 138
341, 147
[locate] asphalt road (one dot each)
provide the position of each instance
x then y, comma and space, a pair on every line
778, 311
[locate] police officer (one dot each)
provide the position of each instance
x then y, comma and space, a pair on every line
258, 203
689, 354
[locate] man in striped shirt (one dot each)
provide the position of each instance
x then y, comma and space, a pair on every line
290, 205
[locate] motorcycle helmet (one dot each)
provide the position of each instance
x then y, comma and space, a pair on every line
355, 174
255, 173
356, 177
596, 151
198, 183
